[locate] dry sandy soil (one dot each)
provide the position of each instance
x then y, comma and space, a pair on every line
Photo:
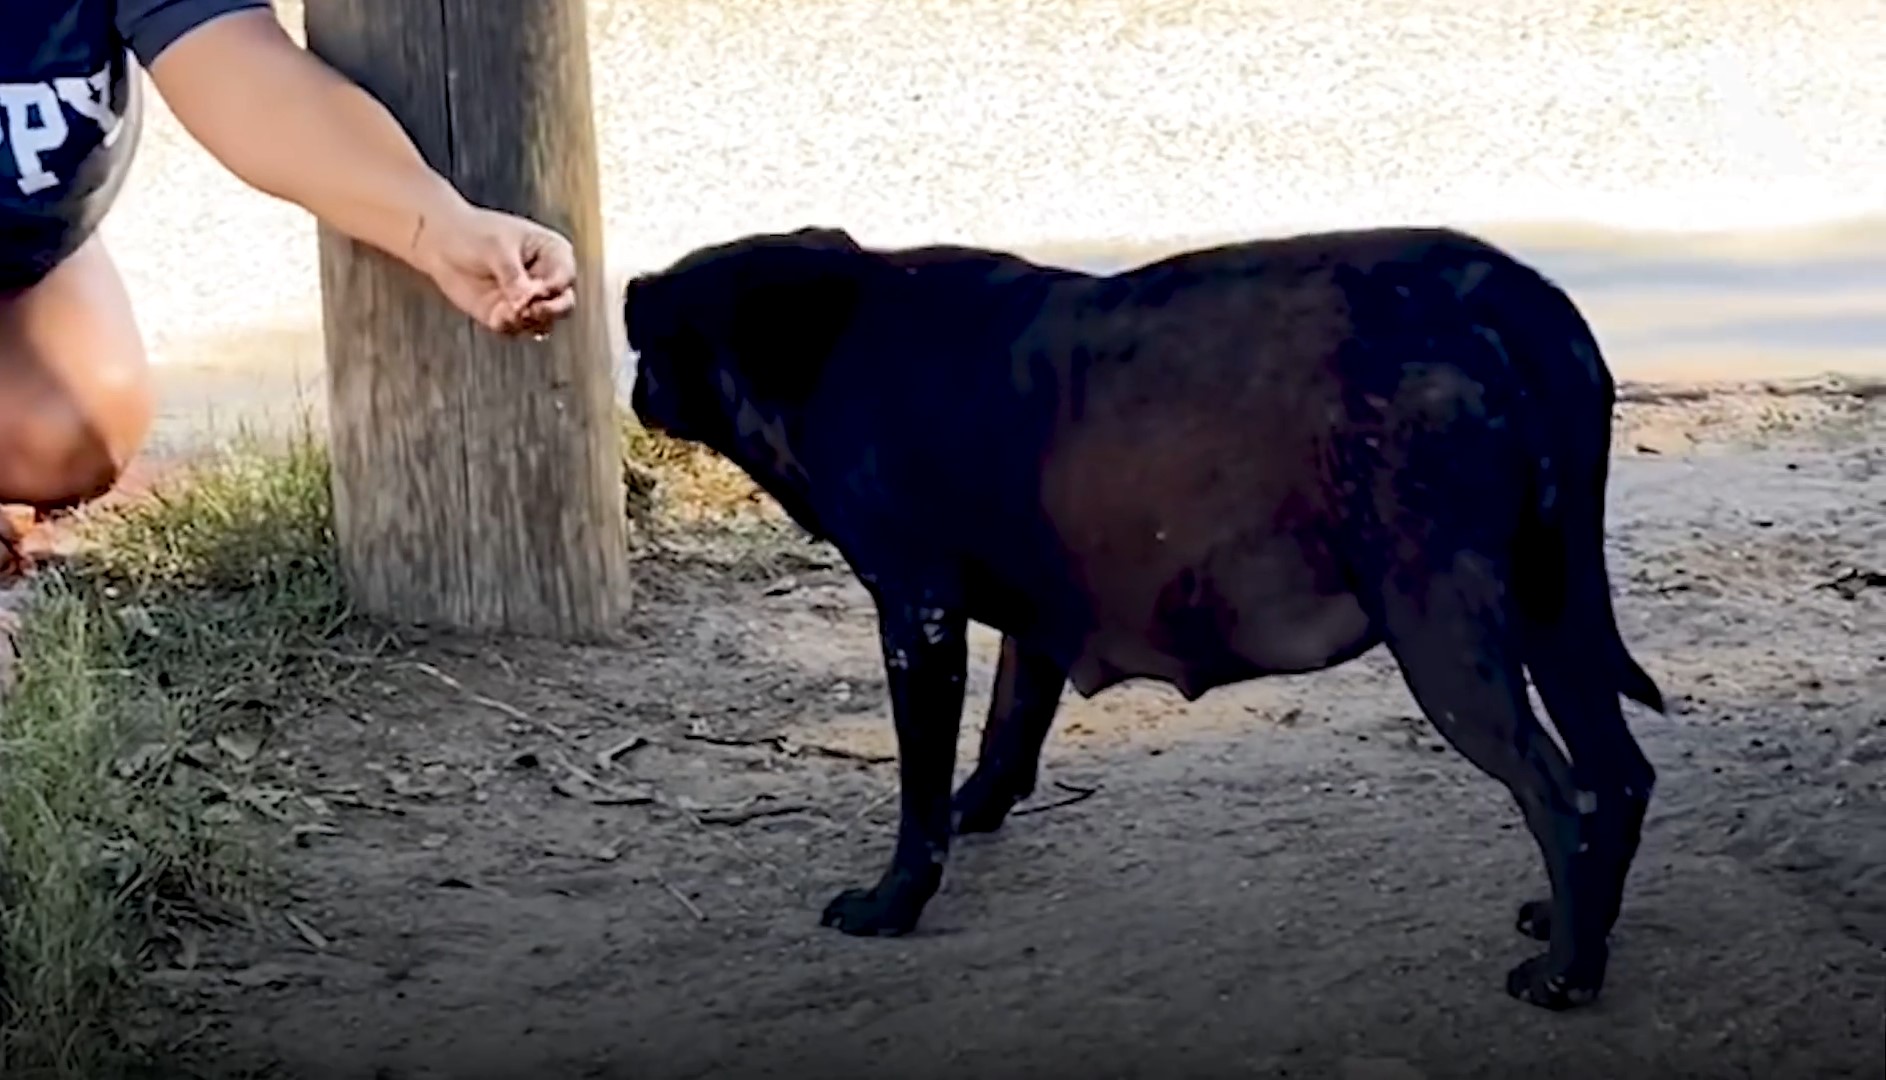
1291, 878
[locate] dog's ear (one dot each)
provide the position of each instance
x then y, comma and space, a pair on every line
631, 291
793, 306
636, 312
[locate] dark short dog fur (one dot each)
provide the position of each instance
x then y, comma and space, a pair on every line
1256, 459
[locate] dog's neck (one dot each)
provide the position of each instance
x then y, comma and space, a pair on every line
762, 446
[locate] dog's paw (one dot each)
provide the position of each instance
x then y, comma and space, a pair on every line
981, 805
874, 912
1535, 920
1537, 983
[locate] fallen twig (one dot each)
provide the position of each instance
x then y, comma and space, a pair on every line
607, 758
307, 931
732, 839
864, 811
1077, 794
781, 744
188, 1037
693, 908
1854, 580
302, 835
604, 793
750, 811
494, 704
348, 798
606, 797
841, 753
702, 735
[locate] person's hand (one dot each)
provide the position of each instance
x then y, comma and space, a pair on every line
512, 275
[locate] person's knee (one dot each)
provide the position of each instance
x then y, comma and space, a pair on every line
64, 449
76, 400
118, 406
94, 466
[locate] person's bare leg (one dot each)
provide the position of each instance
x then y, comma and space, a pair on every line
75, 389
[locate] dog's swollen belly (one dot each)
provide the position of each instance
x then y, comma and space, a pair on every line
1206, 551
1199, 620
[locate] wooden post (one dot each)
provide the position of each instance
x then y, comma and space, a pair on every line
477, 480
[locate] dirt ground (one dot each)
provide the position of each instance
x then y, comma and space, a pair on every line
1289, 878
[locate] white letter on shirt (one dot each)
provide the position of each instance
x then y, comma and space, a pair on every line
19, 101
90, 98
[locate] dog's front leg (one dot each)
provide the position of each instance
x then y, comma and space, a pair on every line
924, 660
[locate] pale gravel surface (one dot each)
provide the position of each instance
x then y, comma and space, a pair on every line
1121, 124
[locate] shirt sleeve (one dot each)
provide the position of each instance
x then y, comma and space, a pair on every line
151, 26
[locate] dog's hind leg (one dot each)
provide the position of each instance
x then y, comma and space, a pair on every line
1581, 666
1028, 686
1606, 761
1446, 617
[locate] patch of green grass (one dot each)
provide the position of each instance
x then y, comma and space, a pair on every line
151, 667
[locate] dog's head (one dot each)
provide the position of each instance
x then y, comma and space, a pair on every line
741, 330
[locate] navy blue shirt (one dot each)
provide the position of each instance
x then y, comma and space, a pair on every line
70, 115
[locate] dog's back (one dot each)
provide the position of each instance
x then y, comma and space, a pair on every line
1154, 455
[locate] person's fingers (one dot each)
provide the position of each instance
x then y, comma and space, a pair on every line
551, 308
553, 264
506, 316
536, 317
542, 315
502, 318
505, 262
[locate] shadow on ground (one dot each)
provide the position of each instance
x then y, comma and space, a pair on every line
1291, 878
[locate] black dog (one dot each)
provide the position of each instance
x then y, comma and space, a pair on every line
1256, 459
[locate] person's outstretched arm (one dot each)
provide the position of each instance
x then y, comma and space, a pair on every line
289, 125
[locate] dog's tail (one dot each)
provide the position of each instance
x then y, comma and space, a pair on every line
1561, 575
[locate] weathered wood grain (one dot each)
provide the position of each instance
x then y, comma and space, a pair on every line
477, 479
